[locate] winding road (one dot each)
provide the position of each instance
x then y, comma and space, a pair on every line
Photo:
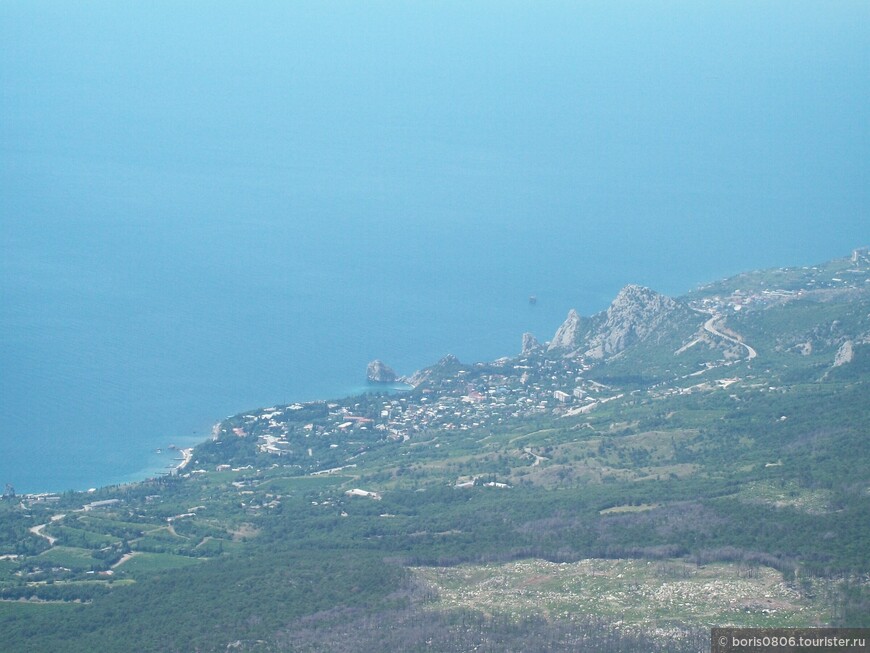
538, 459
37, 530
710, 327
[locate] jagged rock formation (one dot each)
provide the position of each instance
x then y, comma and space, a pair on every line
444, 368
530, 344
379, 372
569, 335
845, 354
634, 315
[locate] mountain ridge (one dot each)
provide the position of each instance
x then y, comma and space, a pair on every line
634, 315
638, 315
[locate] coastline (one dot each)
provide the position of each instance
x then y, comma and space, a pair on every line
156, 464
186, 457
154, 457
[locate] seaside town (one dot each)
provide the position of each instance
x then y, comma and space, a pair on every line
545, 380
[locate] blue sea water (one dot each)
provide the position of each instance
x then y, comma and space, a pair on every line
211, 207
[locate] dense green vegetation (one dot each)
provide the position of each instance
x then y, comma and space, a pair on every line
193, 608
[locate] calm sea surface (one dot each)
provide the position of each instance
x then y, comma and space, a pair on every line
212, 207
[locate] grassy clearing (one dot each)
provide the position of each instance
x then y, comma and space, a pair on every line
106, 525
628, 508
85, 538
7, 566
245, 531
293, 484
596, 459
787, 493
634, 591
14, 614
143, 564
541, 437
67, 556
165, 534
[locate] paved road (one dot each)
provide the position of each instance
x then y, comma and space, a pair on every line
710, 327
37, 530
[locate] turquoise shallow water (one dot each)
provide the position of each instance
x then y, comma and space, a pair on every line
210, 208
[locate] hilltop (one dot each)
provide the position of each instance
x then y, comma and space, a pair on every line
662, 466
